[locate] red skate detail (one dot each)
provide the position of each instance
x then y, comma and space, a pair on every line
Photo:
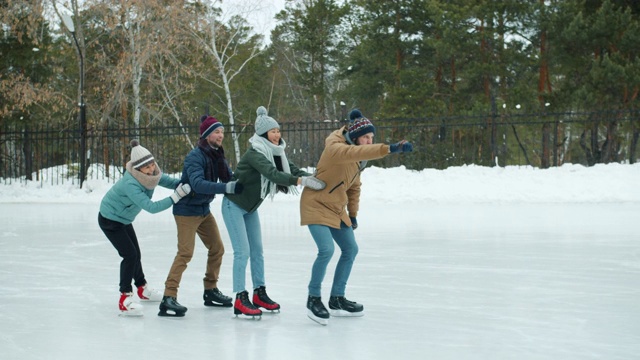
123, 297
240, 308
140, 293
260, 303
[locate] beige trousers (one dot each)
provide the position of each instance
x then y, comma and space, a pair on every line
207, 229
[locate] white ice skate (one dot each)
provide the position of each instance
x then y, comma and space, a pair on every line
128, 307
146, 293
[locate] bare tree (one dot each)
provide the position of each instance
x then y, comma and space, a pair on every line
232, 46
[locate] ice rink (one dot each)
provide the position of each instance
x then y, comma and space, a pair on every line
438, 281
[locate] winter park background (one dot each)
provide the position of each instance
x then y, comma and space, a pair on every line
464, 263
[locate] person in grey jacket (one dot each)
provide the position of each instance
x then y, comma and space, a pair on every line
207, 172
120, 206
263, 171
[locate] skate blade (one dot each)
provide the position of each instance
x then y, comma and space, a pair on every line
214, 304
131, 313
151, 300
248, 317
321, 321
345, 313
168, 313
267, 311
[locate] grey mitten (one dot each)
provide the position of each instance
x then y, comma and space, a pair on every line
313, 182
233, 187
181, 191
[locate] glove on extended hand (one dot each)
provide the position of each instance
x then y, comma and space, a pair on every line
313, 182
181, 191
233, 187
354, 222
401, 146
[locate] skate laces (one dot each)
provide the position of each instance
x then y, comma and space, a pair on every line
219, 294
347, 301
261, 292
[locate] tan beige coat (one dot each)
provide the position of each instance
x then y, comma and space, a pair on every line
339, 168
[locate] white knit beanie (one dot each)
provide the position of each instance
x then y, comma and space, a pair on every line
264, 122
139, 155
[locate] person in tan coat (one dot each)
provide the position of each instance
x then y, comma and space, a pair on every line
331, 213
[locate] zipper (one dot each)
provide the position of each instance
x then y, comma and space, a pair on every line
335, 187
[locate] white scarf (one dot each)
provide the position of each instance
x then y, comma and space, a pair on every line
148, 181
269, 150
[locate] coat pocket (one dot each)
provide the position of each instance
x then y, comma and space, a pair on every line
336, 187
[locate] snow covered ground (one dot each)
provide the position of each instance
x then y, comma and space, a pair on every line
465, 263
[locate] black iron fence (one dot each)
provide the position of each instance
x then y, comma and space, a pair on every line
45, 153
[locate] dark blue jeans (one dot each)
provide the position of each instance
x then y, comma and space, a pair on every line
124, 239
324, 237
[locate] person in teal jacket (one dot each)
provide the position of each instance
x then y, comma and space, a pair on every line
120, 206
263, 171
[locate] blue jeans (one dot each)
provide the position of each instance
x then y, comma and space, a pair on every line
246, 240
324, 237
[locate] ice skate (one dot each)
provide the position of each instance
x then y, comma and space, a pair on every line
128, 307
245, 307
146, 293
261, 299
340, 306
213, 297
171, 307
317, 312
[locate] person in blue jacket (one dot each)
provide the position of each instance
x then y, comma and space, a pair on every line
207, 172
120, 206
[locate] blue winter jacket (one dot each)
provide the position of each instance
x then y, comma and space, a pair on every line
127, 197
202, 190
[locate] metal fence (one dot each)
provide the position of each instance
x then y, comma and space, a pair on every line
48, 154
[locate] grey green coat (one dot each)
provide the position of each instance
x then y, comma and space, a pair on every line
252, 165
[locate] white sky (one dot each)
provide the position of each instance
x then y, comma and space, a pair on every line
259, 13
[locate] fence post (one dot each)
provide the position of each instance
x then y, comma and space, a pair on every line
555, 142
28, 159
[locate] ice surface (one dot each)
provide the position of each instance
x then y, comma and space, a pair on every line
438, 281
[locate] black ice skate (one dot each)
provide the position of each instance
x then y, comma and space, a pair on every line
245, 307
340, 306
169, 306
261, 299
317, 312
213, 297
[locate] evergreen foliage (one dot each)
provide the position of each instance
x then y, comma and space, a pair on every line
150, 64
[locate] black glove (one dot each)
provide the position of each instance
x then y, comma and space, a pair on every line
354, 222
401, 146
233, 187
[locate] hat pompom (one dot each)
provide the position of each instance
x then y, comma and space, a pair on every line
203, 118
355, 114
261, 111
134, 143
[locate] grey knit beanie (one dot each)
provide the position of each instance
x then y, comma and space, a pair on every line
264, 122
139, 155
